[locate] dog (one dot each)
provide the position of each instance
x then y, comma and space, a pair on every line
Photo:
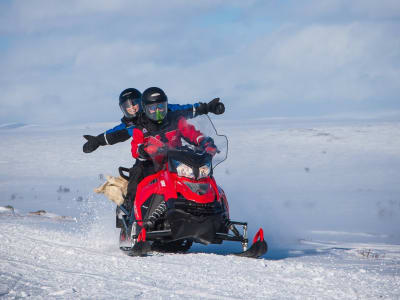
115, 189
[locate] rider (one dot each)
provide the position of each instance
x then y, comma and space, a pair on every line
130, 104
168, 127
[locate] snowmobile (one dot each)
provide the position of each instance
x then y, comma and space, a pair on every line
182, 204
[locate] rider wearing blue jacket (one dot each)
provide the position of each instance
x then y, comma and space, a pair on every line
130, 104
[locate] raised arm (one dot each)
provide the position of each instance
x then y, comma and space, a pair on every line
197, 109
119, 133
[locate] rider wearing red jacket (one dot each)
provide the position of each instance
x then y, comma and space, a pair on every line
167, 127
169, 132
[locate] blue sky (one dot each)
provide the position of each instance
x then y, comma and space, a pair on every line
67, 61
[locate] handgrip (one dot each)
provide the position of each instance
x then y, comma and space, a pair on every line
121, 171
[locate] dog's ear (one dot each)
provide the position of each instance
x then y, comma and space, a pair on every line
100, 189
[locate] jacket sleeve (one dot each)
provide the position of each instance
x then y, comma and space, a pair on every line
189, 132
118, 134
188, 109
137, 140
116, 128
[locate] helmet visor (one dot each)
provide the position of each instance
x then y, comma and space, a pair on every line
157, 111
130, 107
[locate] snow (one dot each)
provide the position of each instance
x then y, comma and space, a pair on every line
325, 193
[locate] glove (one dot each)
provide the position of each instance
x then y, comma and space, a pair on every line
216, 107
93, 142
208, 145
213, 106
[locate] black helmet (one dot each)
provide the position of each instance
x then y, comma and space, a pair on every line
130, 102
155, 104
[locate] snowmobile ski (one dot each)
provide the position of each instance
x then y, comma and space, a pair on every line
139, 249
258, 248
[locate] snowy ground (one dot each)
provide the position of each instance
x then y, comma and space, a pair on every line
326, 194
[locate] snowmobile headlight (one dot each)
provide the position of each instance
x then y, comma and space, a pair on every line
205, 170
184, 170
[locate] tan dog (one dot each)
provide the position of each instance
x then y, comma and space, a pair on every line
114, 188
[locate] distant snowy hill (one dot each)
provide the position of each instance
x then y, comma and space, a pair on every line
12, 125
325, 192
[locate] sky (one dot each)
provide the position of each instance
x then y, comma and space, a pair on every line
68, 61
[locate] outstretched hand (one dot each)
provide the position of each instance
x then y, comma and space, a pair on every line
91, 145
216, 107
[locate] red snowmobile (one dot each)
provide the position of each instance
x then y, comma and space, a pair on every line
182, 204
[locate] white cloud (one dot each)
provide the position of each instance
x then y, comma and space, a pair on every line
340, 66
359, 9
317, 63
48, 15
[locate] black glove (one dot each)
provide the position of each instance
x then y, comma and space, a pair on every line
93, 142
213, 106
216, 107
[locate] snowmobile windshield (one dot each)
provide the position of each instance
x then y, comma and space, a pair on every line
130, 107
196, 142
204, 124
